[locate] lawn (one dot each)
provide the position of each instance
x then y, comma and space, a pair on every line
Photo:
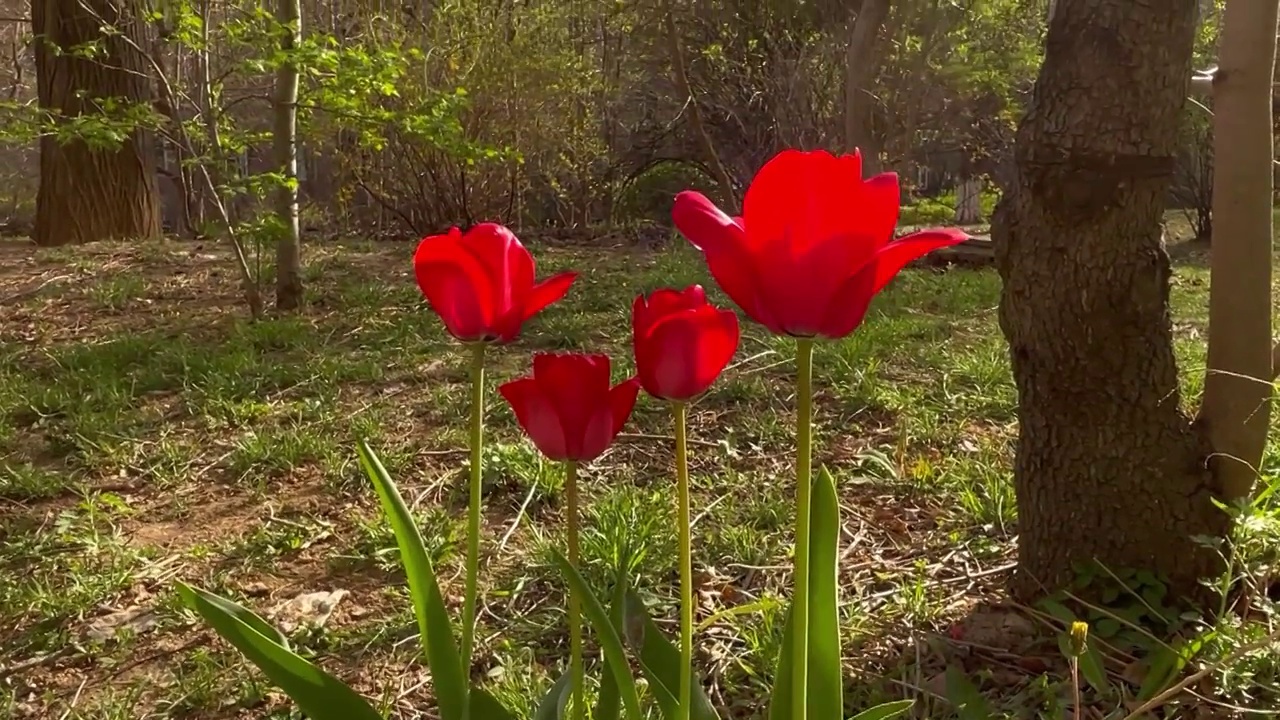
150, 434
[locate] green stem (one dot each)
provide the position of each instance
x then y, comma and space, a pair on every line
473, 511
686, 563
804, 463
575, 606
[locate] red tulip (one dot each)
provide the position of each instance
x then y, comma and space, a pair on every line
814, 243
482, 283
567, 407
682, 343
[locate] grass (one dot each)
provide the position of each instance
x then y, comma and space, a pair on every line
149, 434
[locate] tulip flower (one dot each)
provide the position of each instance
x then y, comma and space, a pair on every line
481, 283
812, 248
682, 343
570, 412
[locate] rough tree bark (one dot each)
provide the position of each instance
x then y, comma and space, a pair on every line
1237, 386
90, 193
861, 64
1108, 466
285, 140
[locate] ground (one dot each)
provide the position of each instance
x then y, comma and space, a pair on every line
151, 434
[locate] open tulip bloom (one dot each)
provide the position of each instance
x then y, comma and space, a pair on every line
813, 246
570, 412
482, 285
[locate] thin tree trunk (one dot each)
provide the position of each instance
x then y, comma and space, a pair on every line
685, 88
288, 245
1108, 466
861, 67
1237, 387
87, 191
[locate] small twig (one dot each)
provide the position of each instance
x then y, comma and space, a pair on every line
665, 438
24, 294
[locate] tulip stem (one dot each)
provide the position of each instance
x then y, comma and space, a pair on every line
473, 511
804, 462
575, 608
686, 562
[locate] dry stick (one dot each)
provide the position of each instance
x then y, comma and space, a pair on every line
1191, 679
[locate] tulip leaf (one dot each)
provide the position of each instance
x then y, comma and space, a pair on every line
885, 711
608, 700
659, 660
825, 693
780, 698
826, 681
484, 706
434, 628
606, 635
318, 694
554, 702
240, 612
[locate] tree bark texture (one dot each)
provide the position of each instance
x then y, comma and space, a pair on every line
92, 193
1109, 467
285, 139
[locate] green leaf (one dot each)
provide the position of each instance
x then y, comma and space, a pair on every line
436, 632
825, 693
608, 700
969, 703
241, 613
884, 711
606, 635
486, 707
826, 682
659, 660
780, 698
554, 702
319, 695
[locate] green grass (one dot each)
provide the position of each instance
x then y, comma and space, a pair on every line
150, 434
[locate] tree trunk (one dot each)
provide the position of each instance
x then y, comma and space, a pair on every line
92, 190
1108, 468
861, 65
285, 140
683, 84
1237, 386
969, 201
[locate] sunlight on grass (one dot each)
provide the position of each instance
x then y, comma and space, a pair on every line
205, 447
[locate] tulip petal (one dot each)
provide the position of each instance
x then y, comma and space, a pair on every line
804, 198
685, 352
901, 252
622, 400
878, 208
660, 303
723, 242
577, 386
539, 297
455, 285
849, 307
537, 415
508, 262
703, 224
